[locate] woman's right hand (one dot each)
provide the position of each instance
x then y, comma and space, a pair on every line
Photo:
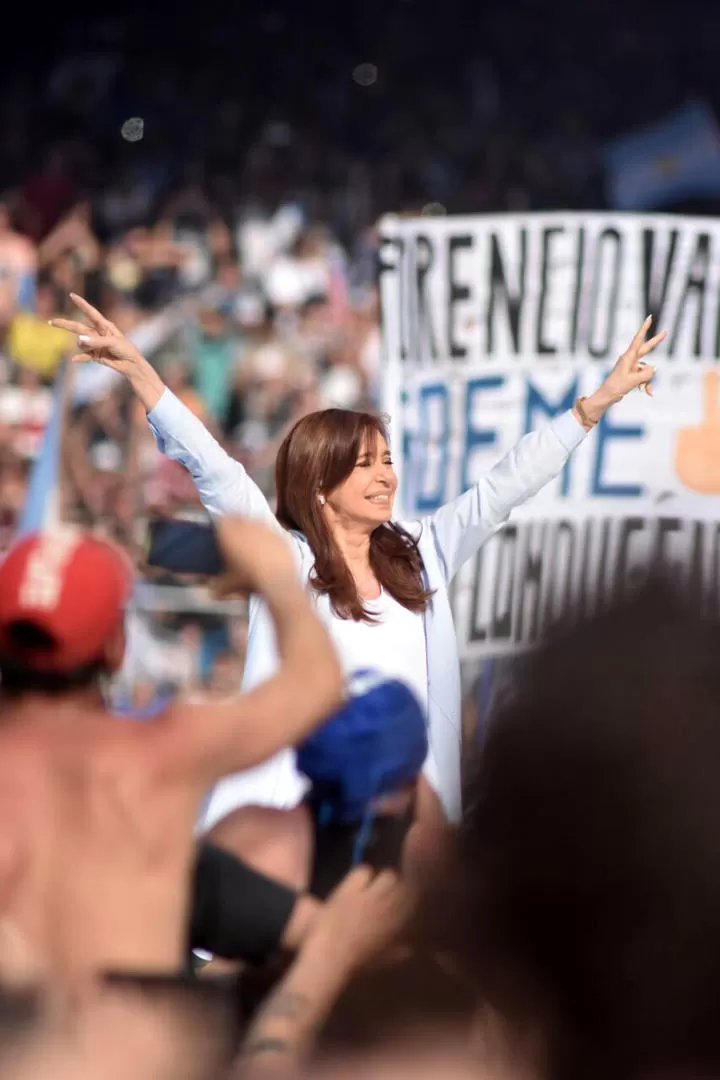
103, 343
100, 340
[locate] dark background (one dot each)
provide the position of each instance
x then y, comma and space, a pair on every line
478, 106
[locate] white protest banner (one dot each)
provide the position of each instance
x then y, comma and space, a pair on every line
537, 566
538, 286
492, 326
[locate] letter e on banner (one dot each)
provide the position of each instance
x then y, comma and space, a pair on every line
476, 436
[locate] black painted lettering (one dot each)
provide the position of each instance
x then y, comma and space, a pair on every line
500, 291
563, 547
424, 262
626, 575
393, 265
654, 293
578, 290
665, 528
695, 578
609, 247
502, 608
584, 595
411, 301
695, 286
604, 587
542, 346
457, 293
531, 582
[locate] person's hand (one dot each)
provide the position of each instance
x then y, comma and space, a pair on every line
631, 372
100, 340
364, 915
257, 558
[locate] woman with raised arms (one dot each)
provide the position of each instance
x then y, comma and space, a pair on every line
381, 586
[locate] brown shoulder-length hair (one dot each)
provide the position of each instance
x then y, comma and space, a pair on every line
317, 455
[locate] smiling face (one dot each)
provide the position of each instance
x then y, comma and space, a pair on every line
367, 495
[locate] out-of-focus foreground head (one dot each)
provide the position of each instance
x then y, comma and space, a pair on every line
591, 851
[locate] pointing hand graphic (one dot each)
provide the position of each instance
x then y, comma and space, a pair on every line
697, 451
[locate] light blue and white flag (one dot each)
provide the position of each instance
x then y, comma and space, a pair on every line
675, 159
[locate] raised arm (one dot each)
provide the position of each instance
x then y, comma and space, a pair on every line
361, 919
462, 526
223, 484
212, 740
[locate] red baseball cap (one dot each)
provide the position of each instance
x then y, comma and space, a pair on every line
70, 585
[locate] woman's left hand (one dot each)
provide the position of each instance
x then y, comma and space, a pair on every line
631, 372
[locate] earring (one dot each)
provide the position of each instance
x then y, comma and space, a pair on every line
321, 500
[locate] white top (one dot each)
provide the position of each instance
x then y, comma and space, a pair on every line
446, 539
394, 646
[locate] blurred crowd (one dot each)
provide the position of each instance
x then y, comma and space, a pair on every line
571, 933
214, 186
238, 209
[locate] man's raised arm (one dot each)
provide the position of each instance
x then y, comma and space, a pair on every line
216, 739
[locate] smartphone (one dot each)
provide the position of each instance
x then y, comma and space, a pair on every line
184, 547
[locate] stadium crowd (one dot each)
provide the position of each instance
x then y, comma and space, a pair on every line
227, 223
259, 205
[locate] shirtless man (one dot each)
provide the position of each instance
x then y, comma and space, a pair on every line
96, 812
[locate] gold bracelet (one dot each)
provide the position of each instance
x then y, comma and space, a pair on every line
585, 420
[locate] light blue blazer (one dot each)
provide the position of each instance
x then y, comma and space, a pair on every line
446, 539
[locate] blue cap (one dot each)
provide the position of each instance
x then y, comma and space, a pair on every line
374, 746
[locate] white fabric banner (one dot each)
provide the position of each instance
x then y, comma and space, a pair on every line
491, 326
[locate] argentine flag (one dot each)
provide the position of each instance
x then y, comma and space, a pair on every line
675, 159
